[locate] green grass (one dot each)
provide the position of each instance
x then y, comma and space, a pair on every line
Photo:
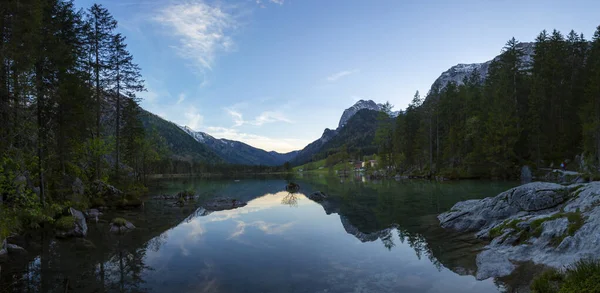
582, 277
66, 223
497, 231
536, 227
119, 222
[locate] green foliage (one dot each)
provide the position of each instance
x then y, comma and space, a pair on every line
548, 282
119, 222
582, 277
65, 223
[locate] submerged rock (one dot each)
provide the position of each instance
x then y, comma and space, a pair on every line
318, 196
120, 228
544, 223
223, 203
93, 214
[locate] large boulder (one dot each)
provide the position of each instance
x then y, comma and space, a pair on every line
543, 223
105, 190
223, 203
80, 228
473, 215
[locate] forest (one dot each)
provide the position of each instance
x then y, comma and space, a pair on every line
70, 114
537, 111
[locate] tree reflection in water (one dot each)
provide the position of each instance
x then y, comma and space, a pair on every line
291, 199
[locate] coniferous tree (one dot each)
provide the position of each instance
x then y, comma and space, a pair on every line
124, 80
102, 25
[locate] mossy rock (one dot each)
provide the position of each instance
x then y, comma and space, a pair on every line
119, 222
65, 224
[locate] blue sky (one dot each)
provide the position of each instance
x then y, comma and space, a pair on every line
276, 73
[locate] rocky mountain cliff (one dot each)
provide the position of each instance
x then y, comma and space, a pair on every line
362, 104
458, 72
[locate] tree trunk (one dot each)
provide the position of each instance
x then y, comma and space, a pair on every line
40, 125
98, 99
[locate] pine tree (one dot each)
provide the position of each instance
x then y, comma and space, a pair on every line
125, 80
102, 25
591, 109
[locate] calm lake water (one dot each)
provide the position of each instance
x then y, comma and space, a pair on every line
369, 237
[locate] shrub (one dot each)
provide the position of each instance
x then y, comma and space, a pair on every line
582, 277
65, 223
119, 222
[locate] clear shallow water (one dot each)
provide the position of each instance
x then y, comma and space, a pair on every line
369, 237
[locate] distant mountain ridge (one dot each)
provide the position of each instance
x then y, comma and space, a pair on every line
235, 152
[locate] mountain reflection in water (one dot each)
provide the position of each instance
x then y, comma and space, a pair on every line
279, 242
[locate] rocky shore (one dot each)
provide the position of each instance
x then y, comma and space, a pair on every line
545, 223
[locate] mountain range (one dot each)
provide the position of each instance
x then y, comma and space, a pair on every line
355, 131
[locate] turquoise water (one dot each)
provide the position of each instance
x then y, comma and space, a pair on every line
367, 237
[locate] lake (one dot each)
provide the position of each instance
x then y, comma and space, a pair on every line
369, 236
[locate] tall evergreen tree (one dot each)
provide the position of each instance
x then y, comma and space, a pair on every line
125, 80
102, 25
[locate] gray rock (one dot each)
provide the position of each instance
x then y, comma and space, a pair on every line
526, 175
491, 263
80, 229
318, 196
121, 229
526, 204
473, 215
15, 249
93, 214
3, 251
223, 203
105, 190
555, 228
78, 187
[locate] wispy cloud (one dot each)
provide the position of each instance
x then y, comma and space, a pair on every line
266, 143
180, 99
260, 2
193, 118
336, 76
203, 30
264, 118
267, 228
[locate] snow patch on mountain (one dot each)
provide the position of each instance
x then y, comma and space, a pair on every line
457, 73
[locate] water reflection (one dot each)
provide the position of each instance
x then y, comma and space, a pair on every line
266, 246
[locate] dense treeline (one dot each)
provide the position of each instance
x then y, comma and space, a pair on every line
537, 111
68, 108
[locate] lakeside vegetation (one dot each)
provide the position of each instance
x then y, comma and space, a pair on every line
538, 105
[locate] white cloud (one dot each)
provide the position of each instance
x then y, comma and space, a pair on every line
181, 98
203, 30
267, 228
238, 120
193, 118
264, 118
336, 76
260, 2
282, 145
